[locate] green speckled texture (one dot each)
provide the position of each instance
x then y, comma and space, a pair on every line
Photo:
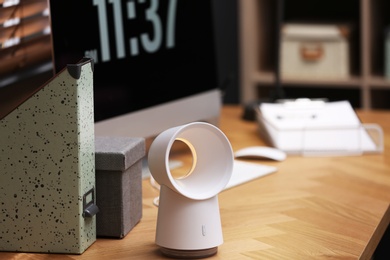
47, 159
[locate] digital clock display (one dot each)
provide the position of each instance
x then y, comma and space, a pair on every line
145, 52
150, 41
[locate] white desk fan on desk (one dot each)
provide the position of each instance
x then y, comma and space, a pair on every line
188, 222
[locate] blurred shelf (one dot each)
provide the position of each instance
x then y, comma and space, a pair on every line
258, 63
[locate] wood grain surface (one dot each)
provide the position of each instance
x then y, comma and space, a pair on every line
311, 208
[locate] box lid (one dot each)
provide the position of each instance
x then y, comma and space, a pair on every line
118, 153
315, 31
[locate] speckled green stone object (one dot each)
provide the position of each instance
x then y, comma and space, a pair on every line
47, 159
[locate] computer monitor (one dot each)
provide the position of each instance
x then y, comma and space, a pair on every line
154, 61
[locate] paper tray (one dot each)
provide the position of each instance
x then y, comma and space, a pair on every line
329, 140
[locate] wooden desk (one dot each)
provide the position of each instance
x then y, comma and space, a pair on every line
312, 208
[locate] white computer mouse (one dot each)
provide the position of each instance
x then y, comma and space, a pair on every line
261, 152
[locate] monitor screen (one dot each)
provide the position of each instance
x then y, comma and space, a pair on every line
147, 54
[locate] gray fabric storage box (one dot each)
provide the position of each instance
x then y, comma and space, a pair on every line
118, 184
